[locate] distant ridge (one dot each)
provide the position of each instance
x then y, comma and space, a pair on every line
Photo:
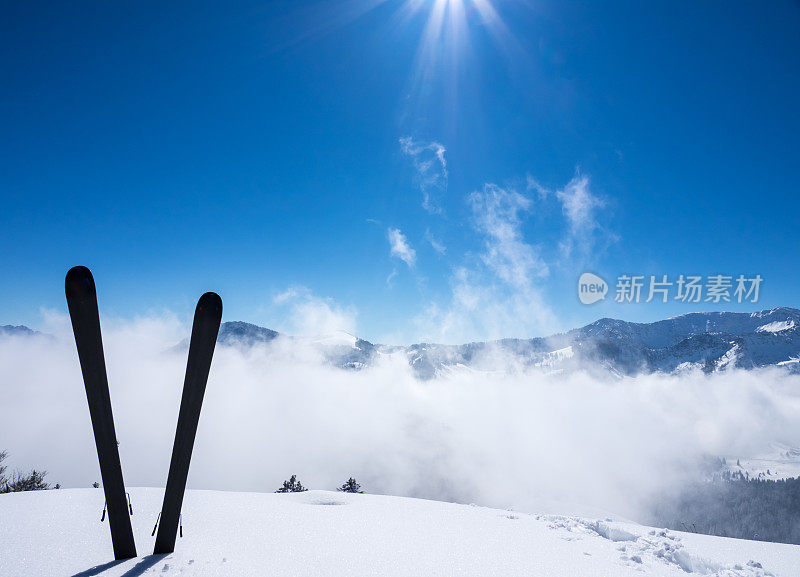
707, 341
238, 332
17, 330
710, 342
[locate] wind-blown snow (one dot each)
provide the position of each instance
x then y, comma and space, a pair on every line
335, 339
59, 533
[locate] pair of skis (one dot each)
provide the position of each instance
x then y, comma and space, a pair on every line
82, 303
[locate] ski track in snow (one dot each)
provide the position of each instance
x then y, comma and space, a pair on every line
53, 533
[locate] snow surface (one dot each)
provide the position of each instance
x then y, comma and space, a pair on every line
776, 327
59, 532
554, 358
780, 462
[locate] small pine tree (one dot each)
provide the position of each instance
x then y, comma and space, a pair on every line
33, 482
351, 486
3, 480
292, 486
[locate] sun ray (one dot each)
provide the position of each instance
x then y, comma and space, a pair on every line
445, 47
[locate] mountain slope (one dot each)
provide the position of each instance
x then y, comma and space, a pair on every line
59, 533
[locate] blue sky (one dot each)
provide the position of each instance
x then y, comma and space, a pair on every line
402, 169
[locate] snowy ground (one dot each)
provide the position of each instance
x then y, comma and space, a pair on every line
780, 462
52, 533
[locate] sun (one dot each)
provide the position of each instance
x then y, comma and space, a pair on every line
445, 47
450, 17
447, 30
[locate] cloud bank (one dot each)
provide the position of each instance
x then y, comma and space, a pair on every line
579, 443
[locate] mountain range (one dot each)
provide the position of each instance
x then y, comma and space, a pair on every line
710, 342
707, 341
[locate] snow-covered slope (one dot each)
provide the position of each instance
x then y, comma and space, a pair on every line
780, 462
55, 533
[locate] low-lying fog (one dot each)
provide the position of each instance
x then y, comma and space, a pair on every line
566, 443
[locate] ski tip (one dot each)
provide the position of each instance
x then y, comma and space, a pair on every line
210, 303
79, 282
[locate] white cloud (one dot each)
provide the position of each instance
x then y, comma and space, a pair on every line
533, 184
499, 291
435, 243
431, 166
497, 215
579, 206
305, 314
400, 247
496, 294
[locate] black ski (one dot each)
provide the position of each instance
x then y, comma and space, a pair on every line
207, 317
82, 303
